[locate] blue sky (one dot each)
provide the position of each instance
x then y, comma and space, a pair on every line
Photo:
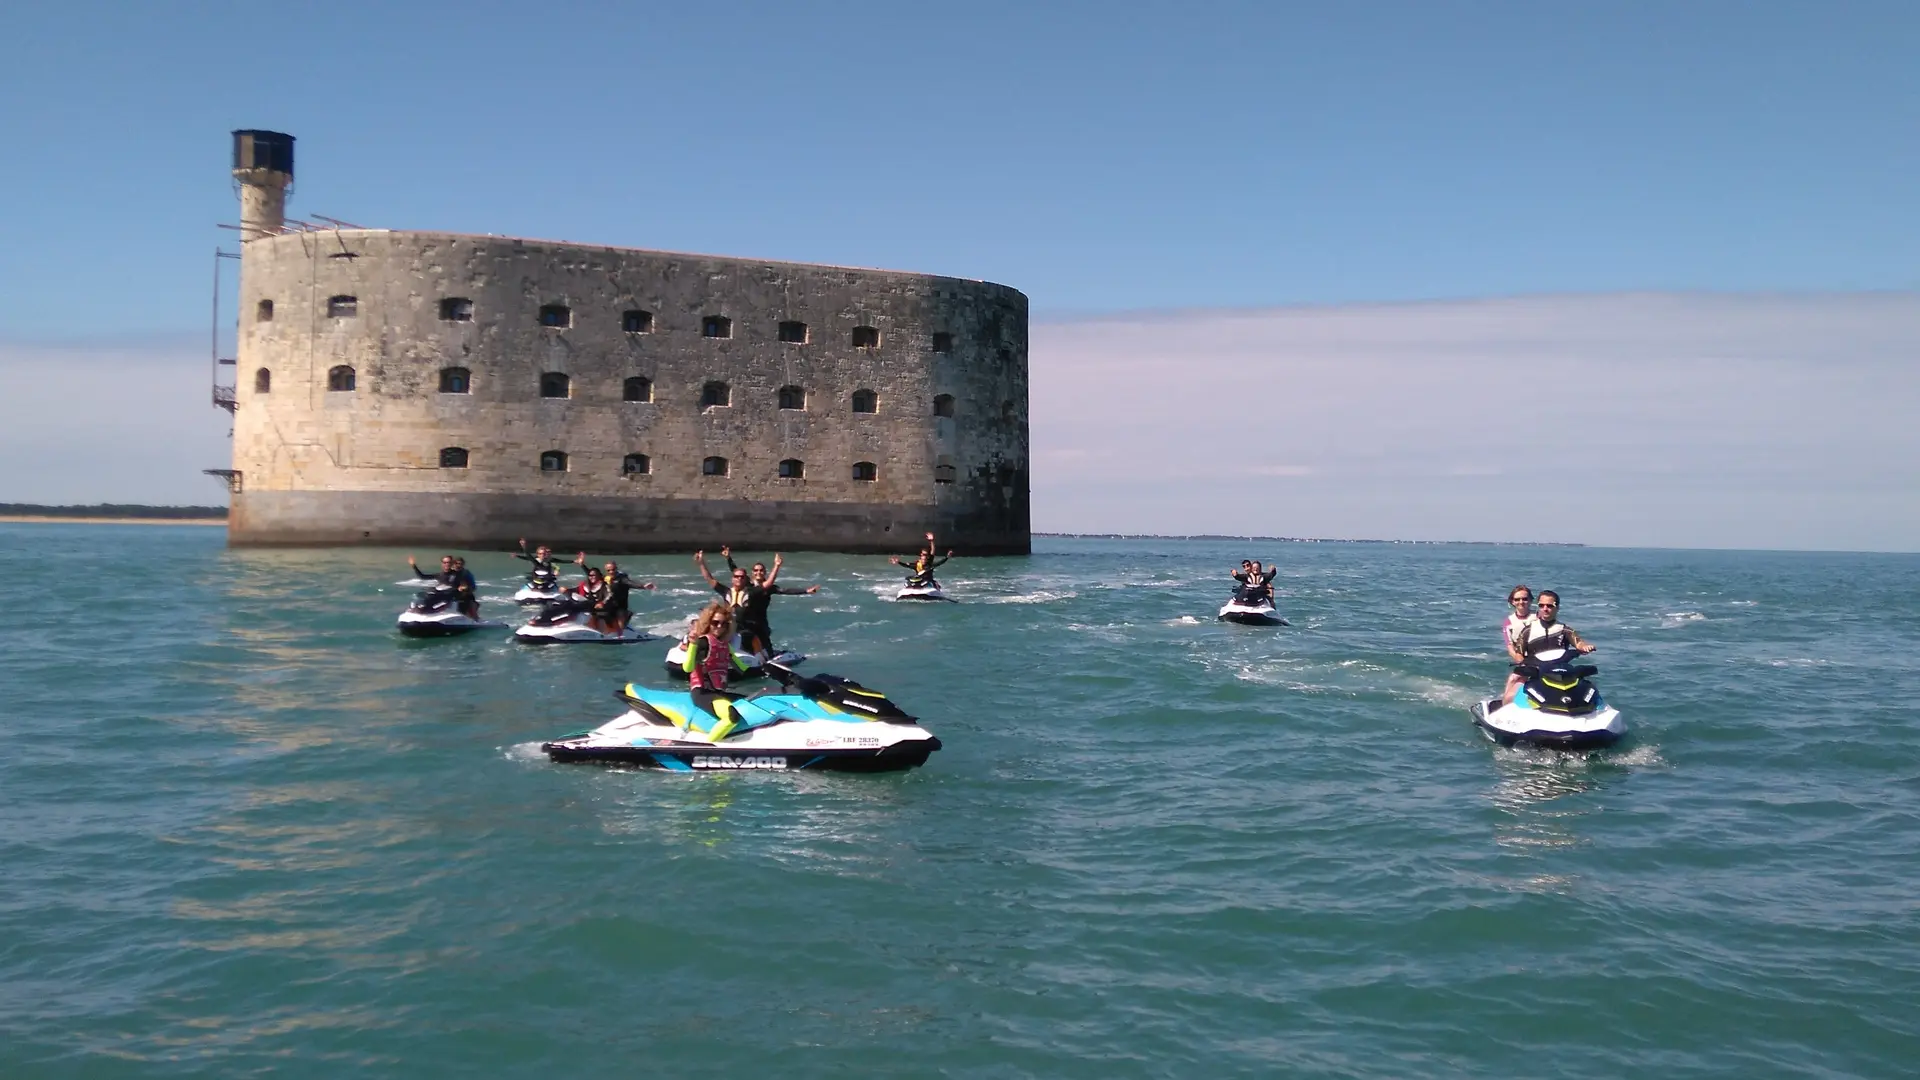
1098, 156
1107, 159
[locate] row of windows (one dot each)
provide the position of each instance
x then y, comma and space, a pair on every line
560, 317
554, 384
457, 457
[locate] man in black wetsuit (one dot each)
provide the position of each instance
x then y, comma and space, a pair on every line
747, 598
920, 571
611, 608
544, 573
453, 574
752, 619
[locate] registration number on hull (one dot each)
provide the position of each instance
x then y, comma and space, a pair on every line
727, 761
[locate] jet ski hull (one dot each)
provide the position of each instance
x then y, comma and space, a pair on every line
924, 592
1514, 725
575, 631
706, 757
415, 624
1252, 614
530, 595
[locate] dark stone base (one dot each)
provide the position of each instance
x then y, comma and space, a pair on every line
611, 526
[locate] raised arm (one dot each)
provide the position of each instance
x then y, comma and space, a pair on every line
727, 551
773, 572
417, 572
700, 560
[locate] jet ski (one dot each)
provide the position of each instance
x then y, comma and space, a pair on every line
568, 622
927, 589
811, 722
542, 587
1252, 607
436, 612
746, 665
1557, 707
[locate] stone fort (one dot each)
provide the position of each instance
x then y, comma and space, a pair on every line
419, 388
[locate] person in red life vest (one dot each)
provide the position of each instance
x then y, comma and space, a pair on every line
709, 663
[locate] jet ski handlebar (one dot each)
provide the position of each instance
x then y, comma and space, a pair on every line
1578, 671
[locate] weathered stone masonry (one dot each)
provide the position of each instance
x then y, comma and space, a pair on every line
321, 466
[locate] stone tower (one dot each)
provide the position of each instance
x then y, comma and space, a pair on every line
263, 169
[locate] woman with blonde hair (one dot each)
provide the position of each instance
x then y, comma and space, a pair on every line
709, 649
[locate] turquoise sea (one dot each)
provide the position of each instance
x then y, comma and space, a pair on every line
246, 830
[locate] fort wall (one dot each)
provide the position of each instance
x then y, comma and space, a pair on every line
413, 388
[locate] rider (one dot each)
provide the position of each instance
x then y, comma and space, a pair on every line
1257, 582
736, 592
1545, 637
708, 663
921, 576
1520, 599
544, 575
612, 610
752, 616
453, 574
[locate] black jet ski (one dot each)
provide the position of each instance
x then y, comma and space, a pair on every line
569, 622
811, 722
1252, 606
542, 587
436, 612
1557, 707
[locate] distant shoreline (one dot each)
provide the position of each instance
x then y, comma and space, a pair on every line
1293, 539
71, 519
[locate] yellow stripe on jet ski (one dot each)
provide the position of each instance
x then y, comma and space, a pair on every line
863, 693
1560, 686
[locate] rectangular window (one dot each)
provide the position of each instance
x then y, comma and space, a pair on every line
943, 342
637, 322
343, 307
793, 332
456, 309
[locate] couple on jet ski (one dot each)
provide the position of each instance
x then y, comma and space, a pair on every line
1255, 583
747, 596
1536, 635
453, 575
603, 593
1550, 699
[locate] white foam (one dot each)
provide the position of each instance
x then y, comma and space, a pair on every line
526, 751
1041, 597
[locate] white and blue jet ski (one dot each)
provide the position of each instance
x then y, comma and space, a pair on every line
1557, 707
435, 612
569, 622
1251, 607
746, 665
819, 722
